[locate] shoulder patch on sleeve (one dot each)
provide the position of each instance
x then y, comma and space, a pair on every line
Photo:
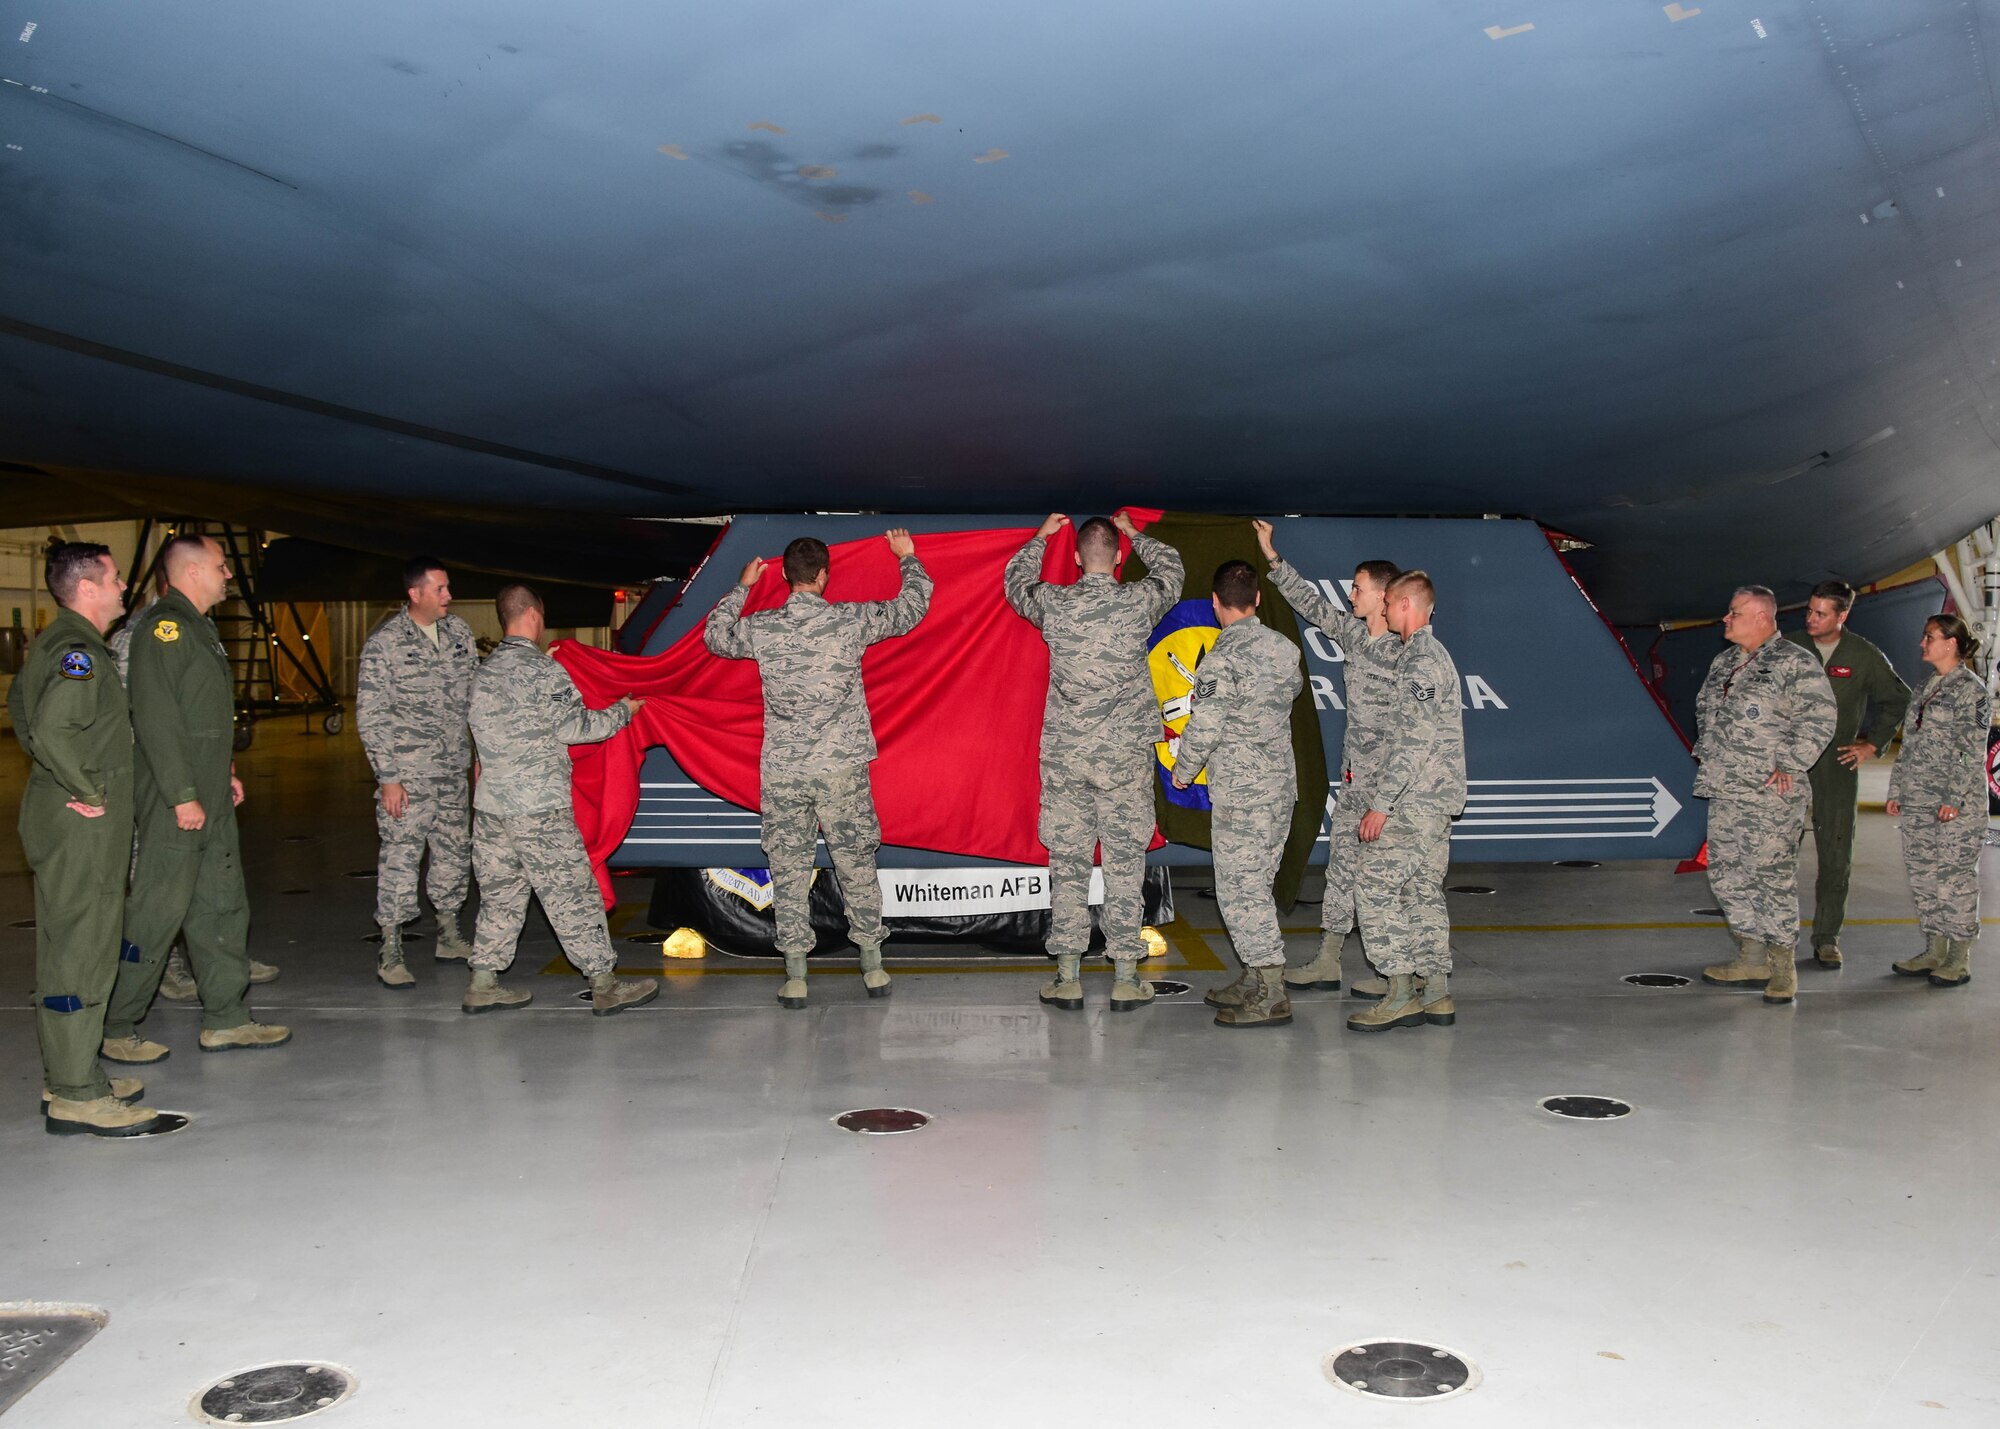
77, 665
167, 631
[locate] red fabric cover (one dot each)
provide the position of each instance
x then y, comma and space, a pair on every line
957, 704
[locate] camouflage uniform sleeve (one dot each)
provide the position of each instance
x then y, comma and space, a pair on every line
1969, 717
1705, 702
574, 721
1409, 736
1216, 696
1165, 574
371, 688
1888, 700
1816, 713
1023, 579
67, 708
724, 632
1349, 631
159, 724
883, 619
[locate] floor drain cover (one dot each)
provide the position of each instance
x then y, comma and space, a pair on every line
35, 1338
169, 1123
1401, 1369
1657, 979
1707, 912
362, 873
274, 1394
1468, 888
1578, 863
883, 1120
1585, 1108
1167, 987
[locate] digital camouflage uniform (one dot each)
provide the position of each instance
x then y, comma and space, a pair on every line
1098, 729
185, 881
1419, 783
817, 742
1869, 699
410, 704
1757, 713
1943, 764
70, 716
1369, 674
1240, 731
525, 714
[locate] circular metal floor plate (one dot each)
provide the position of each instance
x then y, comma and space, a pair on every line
1578, 863
1409, 1370
1479, 888
882, 1120
1167, 987
1656, 979
361, 873
1583, 1106
169, 1123
273, 1394
1706, 912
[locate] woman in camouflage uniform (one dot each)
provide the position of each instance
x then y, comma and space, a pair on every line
1939, 790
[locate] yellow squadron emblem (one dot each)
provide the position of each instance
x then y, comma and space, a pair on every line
167, 631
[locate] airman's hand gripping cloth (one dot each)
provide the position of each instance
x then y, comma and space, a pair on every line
1099, 726
1240, 731
1943, 765
817, 744
1759, 713
412, 697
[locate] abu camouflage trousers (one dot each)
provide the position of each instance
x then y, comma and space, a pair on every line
1753, 863
540, 854
1942, 861
796, 807
1343, 858
1102, 806
438, 817
1399, 891
1248, 841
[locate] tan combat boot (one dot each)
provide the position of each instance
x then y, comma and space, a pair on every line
1752, 967
1399, 1008
134, 1051
1926, 962
124, 1089
106, 1116
1956, 969
451, 945
177, 982
1827, 955
1369, 989
793, 993
1434, 996
390, 970
1322, 974
1264, 1001
611, 993
1129, 991
262, 972
249, 1037
1066, 991
1782, 959
1230, 994
484, 994
874, 981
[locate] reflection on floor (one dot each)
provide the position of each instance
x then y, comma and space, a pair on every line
541, 1218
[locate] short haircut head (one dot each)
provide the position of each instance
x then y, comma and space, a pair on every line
1954, 629
515, 601
805, 559
1417, 584
1382, 573
1097, 540
1760, 594
1235, 585
417, 567
1839, 592
177, 553
69, 564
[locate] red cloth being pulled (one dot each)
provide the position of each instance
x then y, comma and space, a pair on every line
957, 704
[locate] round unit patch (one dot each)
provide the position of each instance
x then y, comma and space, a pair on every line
1401, 1369
273, 1394
77, 665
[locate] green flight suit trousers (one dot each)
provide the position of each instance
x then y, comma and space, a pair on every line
79, 869
1835, 791
191, 883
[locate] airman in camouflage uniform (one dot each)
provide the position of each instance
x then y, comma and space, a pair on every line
1240, 731
1405, 832
526, 712
1764, 714
1938, 789
1368, 670
410, 703
1098, 729
818, 741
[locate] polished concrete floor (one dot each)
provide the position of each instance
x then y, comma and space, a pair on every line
542, 1218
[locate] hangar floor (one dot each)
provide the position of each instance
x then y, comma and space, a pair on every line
541, 1218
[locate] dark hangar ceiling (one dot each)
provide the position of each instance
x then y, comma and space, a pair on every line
1718, 291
